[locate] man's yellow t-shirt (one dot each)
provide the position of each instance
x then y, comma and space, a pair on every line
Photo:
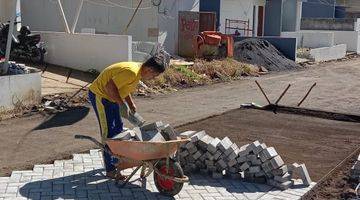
126, 76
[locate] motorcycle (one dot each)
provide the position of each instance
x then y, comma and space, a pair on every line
25, 45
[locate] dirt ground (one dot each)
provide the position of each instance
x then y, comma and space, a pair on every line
54, 79
337, 185
41, 139
320, 144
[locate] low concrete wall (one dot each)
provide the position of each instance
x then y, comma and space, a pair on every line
313, 39
350, 38
86, 51
328, 53
329, 24
20, 90
286, 46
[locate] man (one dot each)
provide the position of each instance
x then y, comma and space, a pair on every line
110, 95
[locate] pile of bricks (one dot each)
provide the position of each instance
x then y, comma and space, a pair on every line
355, 170
254, 162
154, 132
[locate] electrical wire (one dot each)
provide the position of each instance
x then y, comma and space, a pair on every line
99, 4
113, 4
118, 5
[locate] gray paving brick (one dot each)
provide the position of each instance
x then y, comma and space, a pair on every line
302, 171
189, 145
168, 132
205, 141
232, 163
283, 178
198, 136
244, 166
281, 171
267, 154
212, 146
192, 150
230, 150
187, 134
225, 144
217, 154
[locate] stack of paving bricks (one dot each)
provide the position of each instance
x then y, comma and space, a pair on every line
355, 170
254, 162
154, 132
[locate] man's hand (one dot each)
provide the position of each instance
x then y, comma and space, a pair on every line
133, 108
131, 103
124, 110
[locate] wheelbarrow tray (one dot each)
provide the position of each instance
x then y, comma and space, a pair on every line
143, 150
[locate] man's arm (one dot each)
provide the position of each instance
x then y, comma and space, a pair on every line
113, 92
129, 100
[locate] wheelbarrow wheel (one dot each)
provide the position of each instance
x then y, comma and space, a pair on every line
166, 186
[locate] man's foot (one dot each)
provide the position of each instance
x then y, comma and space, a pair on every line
111, 174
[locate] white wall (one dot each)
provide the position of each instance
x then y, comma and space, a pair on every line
5, 6
19, 90
43, 15
236, 9
328, 53
315, 38
350, 38
86, 51
168, 24
312, 39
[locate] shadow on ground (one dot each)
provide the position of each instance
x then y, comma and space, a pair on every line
93, 185
65, 118
63, 71
89, 185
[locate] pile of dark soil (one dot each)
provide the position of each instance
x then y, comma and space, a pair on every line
262, 53
337, 185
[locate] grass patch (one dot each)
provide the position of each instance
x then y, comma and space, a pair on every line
201, 73
187, 72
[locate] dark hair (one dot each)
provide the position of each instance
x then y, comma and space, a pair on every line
155, 65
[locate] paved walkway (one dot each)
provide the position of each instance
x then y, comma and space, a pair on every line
82, 178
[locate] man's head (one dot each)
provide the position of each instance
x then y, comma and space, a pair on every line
152, 68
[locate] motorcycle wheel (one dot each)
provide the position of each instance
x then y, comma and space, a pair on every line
37, 56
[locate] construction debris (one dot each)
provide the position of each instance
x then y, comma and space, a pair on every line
254, 162
15, 68
262, 53
355, 170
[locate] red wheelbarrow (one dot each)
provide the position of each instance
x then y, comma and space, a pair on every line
158, 157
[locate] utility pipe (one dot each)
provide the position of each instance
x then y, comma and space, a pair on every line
9, 38
62, 13
78, 11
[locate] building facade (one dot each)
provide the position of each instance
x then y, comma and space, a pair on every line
155, 21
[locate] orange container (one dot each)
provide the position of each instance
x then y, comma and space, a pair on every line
212, 39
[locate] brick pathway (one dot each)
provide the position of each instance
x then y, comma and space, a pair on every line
81, 178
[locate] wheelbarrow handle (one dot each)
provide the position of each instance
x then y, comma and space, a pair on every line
85, 137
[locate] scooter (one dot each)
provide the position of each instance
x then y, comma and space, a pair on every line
26, 45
